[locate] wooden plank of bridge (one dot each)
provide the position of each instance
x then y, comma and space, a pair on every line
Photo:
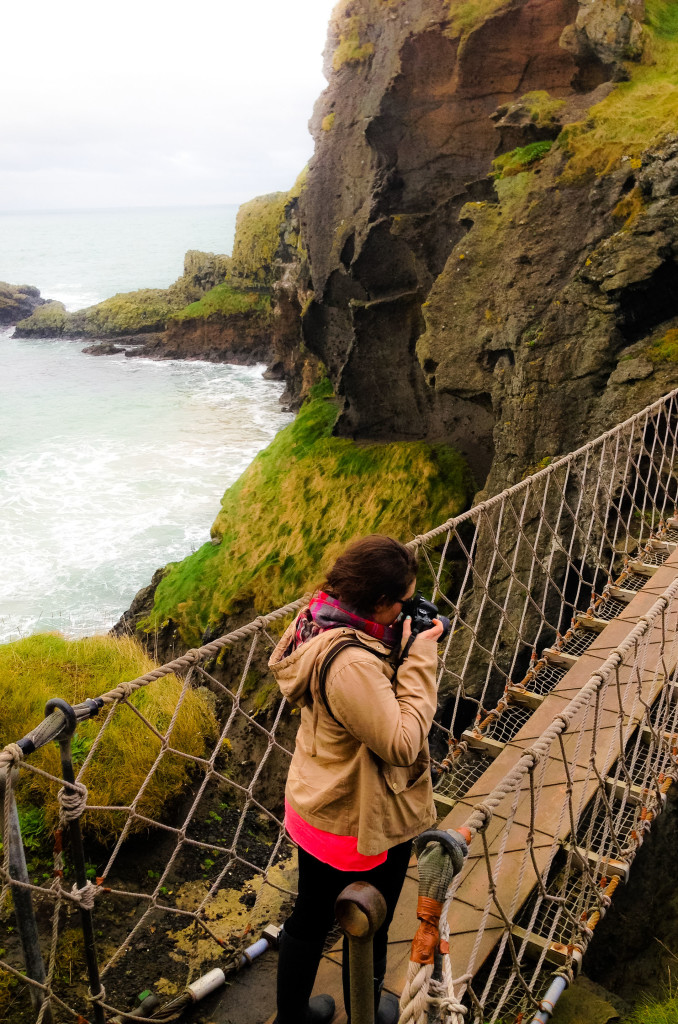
472, 905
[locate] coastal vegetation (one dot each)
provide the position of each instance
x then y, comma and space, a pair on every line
294, 508
212, 285
225, 300
43, 666
124, 313
518, 160
639, 114
257, 236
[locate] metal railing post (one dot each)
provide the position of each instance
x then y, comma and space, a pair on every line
22, 899
360, 911
78, 855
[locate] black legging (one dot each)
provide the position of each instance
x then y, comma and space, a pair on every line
320, 884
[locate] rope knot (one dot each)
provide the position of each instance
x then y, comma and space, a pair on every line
72, 800
124, 690
86, 896
531, 752
485, 812
563, 719
12, 755
99, 997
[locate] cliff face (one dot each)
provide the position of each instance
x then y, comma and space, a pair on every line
511, 310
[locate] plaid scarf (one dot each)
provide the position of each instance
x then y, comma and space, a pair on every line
325, 612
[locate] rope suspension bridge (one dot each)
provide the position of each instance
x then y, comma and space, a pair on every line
556, 744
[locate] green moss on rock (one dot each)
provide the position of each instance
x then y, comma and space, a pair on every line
466, 15
665, 350
350, 48
48, 321
300, 501
257, 238
225, 300
126, 313
542, 106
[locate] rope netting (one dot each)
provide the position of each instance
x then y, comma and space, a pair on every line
530, 579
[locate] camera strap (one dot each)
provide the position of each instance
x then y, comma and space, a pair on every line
341, 645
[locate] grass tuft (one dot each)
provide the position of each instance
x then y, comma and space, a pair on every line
518, 160
665, 350
350, 49
296, 506
47, 665
541, 106
655, 1012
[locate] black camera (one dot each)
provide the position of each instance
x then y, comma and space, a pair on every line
422, 613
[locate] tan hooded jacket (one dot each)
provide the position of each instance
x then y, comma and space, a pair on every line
367, 774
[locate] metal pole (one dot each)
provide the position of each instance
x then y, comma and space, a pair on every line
361, 910
22, 899
548, 1003
78, 854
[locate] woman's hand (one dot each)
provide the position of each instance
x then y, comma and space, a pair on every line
428, 634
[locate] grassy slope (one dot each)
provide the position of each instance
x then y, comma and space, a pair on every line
638, 114
43, 666
301, 500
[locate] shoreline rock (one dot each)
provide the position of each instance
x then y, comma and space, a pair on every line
18, 302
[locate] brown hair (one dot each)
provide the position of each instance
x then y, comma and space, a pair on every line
371, 571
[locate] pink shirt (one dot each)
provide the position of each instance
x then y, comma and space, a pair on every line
339, 852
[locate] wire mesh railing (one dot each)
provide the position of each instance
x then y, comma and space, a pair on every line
174, 891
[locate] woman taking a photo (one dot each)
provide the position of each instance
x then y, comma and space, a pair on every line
359, 786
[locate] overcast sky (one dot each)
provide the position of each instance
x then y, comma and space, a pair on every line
149, 103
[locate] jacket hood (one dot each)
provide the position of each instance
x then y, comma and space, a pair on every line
297, 674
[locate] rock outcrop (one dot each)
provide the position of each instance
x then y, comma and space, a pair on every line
242, 309
17, 302
491, 305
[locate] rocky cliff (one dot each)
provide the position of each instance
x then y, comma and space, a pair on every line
491, 220
17, 302
483, 254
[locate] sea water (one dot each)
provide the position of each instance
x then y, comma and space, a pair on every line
83, 256
109, 468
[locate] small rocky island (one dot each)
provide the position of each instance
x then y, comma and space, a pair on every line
18, 301
240, 309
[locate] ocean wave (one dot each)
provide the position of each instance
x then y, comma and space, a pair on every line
109, 471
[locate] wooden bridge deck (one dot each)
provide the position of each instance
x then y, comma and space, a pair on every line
471, 898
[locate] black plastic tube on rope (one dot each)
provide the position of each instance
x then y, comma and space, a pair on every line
453, 844
71, 718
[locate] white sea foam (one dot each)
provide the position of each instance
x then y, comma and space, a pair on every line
109, 468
